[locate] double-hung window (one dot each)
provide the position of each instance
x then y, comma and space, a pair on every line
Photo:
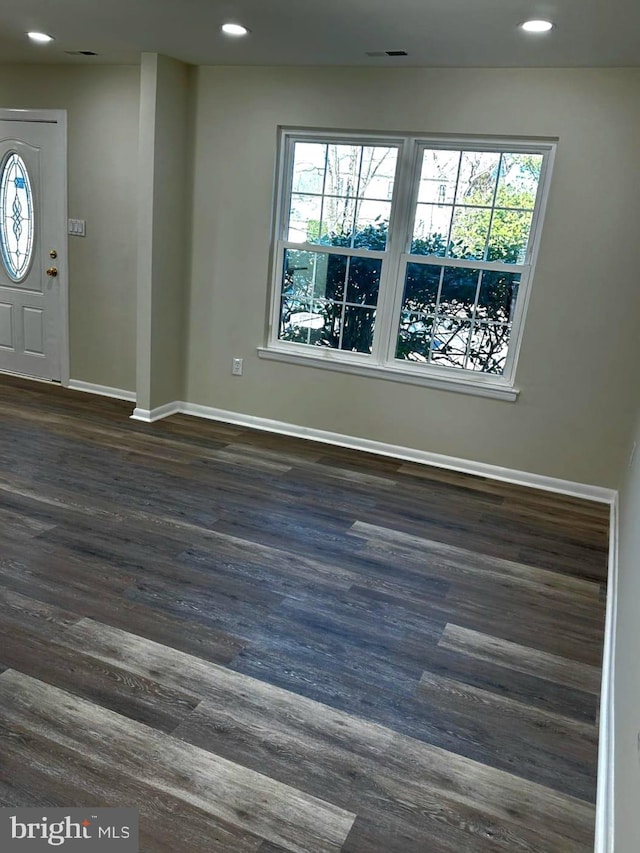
406, 257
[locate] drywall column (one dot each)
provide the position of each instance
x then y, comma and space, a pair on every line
163, 170
626, 691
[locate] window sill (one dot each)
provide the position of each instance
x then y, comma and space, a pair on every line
494, 390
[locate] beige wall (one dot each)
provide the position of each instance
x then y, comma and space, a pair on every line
578, 355
627, 663
573, 417
102, 105
163, 279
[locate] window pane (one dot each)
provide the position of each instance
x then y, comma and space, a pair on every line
461, 230
421, 285
519, 179
472, 324
330, 275
304, 219
341, 194
471, 206
308, 167
478, 177
378, 172
431, 229
489, 347
338, 217
438, 177
509, 236
459, 289
343, 170
299, 274
450, 341
498, 293
372, 225
359, 323
364, 281
313, 308
414, 338
469, 232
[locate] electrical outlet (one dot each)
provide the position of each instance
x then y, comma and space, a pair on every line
236, 367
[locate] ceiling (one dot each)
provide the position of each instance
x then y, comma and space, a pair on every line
472, 33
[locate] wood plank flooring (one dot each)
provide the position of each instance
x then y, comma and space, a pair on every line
268, 645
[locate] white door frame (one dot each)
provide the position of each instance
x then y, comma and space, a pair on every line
58, 117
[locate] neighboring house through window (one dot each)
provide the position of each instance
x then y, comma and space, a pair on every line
409, 258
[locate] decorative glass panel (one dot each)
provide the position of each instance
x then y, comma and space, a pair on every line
16, 217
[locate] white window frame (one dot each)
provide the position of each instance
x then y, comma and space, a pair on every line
381, 362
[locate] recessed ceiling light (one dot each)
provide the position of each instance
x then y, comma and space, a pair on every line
537, 26
42, 38
234, 30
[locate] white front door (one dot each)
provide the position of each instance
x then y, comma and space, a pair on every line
32, 244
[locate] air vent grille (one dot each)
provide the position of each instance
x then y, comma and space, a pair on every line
379, 53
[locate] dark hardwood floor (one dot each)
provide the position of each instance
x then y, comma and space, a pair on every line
275, 646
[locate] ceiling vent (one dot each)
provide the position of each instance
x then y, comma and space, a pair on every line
386, 53
81, 53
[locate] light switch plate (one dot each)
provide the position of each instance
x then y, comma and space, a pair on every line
77, 227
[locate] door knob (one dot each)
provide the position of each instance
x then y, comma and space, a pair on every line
52, 271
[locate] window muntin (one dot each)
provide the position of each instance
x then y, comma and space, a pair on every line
476, 204
340, 192
453, 248
17, 226
336, 231
459, 317
329, 299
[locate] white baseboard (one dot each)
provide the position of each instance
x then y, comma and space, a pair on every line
466, 466
102, 390
151, 415
605, 813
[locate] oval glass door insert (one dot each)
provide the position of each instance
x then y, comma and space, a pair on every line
17, 226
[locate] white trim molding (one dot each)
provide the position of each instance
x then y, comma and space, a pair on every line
326, 360
150, 415
605, 811
59, 118
395, 451
102, 390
